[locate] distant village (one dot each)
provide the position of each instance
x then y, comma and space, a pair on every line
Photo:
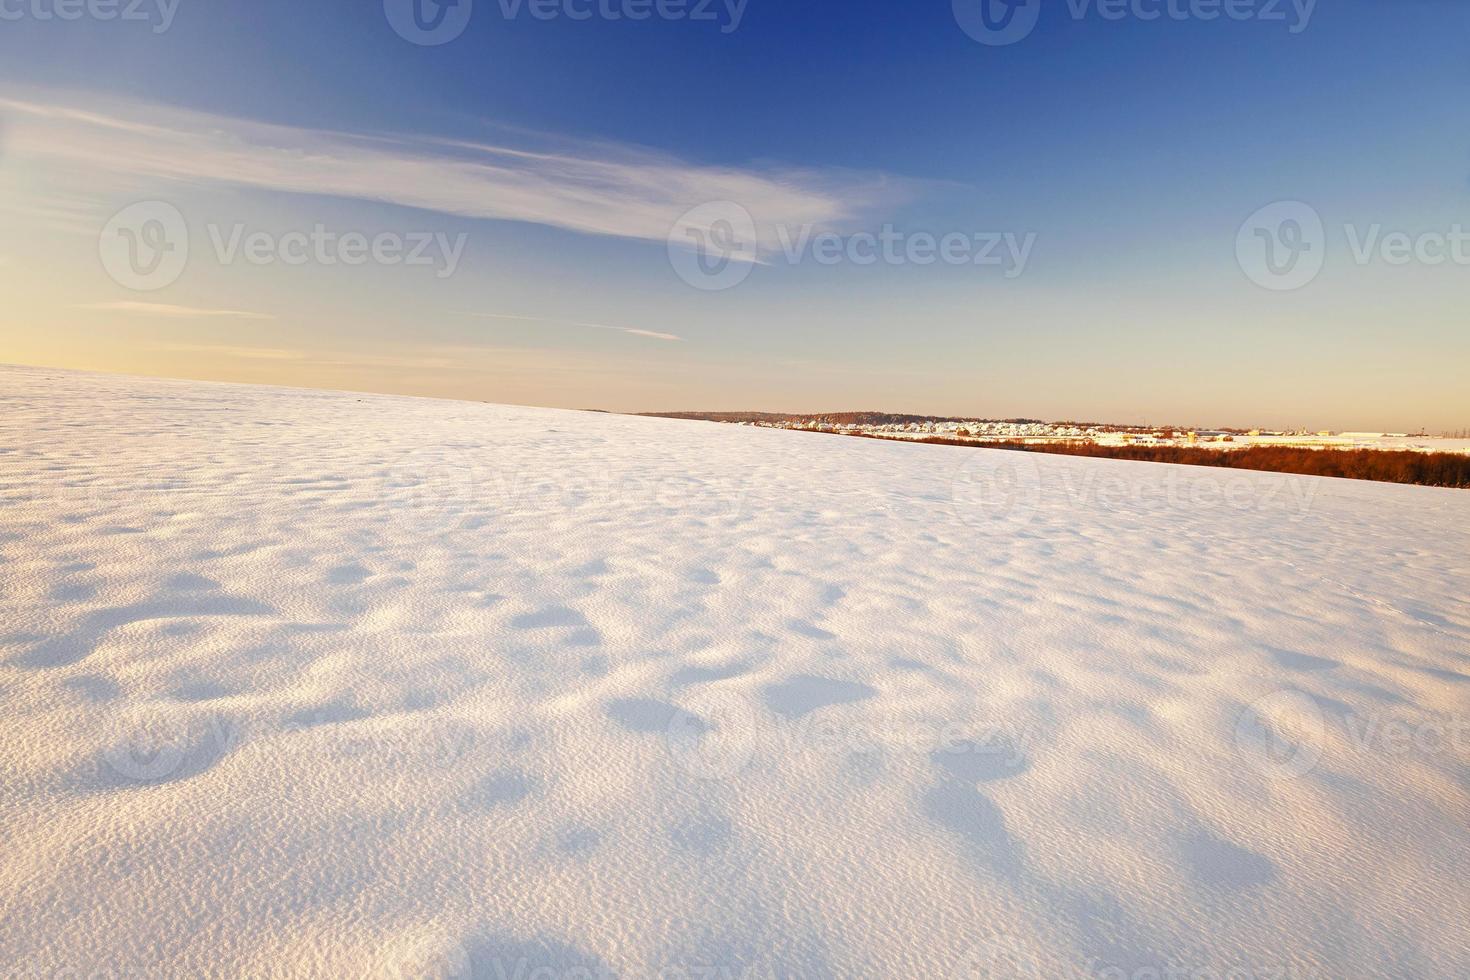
1106, 435
1032, 431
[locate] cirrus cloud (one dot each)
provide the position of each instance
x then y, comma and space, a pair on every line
594, 189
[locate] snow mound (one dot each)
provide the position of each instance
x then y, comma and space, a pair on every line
310, 683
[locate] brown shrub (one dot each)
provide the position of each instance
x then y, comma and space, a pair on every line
1382, 465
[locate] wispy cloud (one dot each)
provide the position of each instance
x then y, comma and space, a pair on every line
169, 310
639, 333
246, 353
598, 189
635, 331
437, 359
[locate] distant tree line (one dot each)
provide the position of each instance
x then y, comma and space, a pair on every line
1382, 465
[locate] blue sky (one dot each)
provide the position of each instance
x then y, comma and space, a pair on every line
1129, 151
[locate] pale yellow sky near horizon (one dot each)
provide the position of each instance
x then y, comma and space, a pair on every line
528, 377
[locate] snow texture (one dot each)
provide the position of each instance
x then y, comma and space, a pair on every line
312, 683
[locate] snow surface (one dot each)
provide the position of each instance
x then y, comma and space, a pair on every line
300, 682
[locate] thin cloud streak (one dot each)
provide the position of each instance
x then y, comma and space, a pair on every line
172, 311
224, 350
635, 331
439, 359
599, 189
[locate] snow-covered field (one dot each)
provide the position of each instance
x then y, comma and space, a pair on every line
302, 683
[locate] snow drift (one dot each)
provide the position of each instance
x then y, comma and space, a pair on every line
309, 683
